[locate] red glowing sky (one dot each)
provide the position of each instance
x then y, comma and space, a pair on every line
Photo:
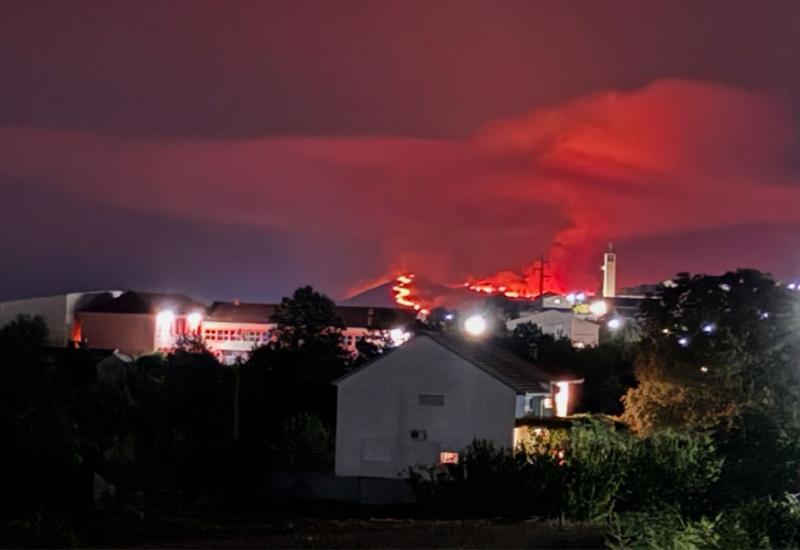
242, 149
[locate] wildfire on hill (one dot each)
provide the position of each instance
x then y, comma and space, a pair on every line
534, 281
404, 293
409, 292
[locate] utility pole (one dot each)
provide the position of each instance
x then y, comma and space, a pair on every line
237, 370
542, 276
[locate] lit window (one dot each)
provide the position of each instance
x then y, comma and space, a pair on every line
448, 457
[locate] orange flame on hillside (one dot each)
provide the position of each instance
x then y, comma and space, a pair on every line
528, 285
404, 293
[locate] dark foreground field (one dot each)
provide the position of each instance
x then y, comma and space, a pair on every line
198, 532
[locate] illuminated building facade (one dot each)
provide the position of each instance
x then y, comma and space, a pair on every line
233, 329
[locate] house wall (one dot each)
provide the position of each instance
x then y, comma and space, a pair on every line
378, 408
561, 324
131, 333
585, 332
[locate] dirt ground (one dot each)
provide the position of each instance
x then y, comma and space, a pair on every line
187, 532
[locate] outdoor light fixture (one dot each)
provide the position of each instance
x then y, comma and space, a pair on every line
562, 399
164, 322
683, 341
709, 328
615, 323
598, 308
475, 325
449, 317
193, 321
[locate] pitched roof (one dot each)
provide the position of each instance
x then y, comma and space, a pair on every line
237, 312
378, 318
497, 361
490, 357
142, 302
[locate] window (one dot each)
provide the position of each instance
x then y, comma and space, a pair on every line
419, 435
448, 457
431, 399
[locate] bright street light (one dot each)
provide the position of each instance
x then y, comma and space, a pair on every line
475, 325
598, 308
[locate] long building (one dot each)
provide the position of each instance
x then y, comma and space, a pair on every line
139, 323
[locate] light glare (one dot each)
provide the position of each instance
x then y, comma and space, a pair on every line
598, 308
475, 325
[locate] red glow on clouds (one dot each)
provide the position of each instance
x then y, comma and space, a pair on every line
670, 159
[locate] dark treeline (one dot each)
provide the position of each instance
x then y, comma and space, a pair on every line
177, 422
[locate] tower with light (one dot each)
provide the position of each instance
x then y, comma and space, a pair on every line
609, 273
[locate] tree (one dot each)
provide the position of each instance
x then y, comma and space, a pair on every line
40, 466
292, 374
713, 348
307, 319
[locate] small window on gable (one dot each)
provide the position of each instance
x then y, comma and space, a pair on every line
431, 399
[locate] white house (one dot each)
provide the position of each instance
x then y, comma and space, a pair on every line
562, 324
430, 398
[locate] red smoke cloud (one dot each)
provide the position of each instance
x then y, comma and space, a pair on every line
673, 157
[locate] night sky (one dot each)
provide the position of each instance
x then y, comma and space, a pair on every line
240, 149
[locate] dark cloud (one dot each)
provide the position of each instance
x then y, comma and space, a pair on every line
210, 68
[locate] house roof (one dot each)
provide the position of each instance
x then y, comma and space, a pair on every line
237, 312
490, 357
378, 318
497, 361
142, 302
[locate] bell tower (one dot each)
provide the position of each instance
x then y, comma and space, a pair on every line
609, 273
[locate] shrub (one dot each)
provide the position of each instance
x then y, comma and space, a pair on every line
584, 473
763, 523
663, 530
593, 470
304, 443
488, 481
768, 523
669, 469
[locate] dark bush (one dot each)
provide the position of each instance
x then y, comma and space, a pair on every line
669, 469
582, 473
